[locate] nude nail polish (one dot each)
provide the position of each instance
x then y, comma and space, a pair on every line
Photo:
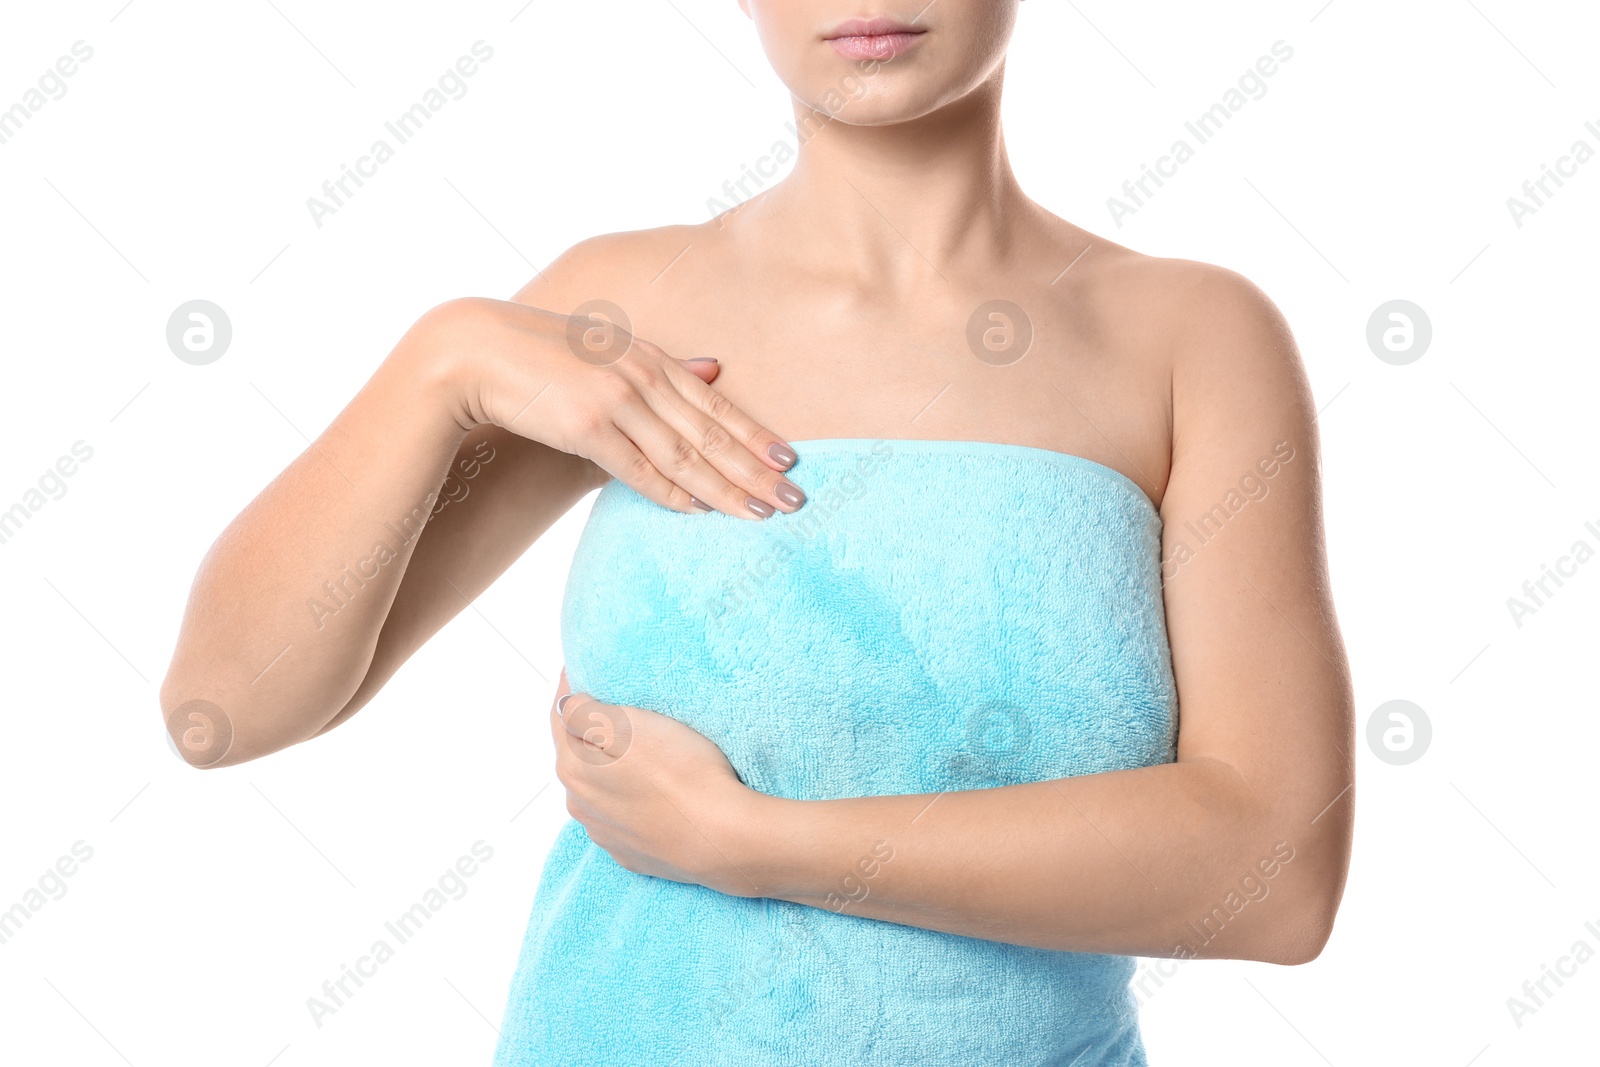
790, 494
701, 504
760, 507
783, 454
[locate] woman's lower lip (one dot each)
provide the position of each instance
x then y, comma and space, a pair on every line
876, 46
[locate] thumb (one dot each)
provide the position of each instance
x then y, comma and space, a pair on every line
703, 366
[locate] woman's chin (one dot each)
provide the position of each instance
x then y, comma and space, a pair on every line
882, 108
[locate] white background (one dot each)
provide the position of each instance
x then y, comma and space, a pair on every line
177, 166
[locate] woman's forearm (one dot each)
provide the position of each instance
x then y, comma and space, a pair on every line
324, 584
1177, 859
287, 605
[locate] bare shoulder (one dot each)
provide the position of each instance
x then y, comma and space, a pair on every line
1182, 315
1215, 310
1229, 349
610, 266
1188, 304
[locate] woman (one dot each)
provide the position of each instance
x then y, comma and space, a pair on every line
871, 739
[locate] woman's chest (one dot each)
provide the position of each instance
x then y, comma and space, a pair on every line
939, 616
962, 368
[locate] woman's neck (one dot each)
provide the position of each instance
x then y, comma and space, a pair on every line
898, 204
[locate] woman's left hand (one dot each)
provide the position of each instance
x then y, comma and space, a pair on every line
658, 796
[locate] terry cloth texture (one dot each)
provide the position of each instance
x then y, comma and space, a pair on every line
939, 616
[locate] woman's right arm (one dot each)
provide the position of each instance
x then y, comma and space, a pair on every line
339, 569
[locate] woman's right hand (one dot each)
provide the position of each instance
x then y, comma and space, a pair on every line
588, 387
349, 560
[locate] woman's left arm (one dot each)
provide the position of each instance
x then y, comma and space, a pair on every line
1238, 850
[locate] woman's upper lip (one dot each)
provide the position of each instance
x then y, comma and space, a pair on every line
873, 27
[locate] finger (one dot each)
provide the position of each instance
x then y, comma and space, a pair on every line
619, 456
562, 689
566, 700
708, 464
558, 733
705, 432
596, 729
746, 452
703, 367
691, 475
772, 451
577, 747
748, 455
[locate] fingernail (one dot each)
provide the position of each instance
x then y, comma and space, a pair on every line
760, 507
701, 504
783, 454
790, 494
561, 705
701, 359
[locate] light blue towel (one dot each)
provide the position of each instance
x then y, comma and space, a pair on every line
940, 615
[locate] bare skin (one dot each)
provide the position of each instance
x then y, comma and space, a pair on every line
1182, 377
837, 304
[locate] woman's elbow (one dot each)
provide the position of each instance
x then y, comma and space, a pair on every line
1309, 891
208, 734
1303, 923
1298, 941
